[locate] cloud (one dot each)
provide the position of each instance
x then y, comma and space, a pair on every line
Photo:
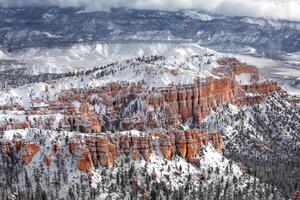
275, 9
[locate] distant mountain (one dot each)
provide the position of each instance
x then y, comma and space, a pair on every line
52, 26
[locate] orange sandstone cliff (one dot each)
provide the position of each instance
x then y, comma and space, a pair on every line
106, 148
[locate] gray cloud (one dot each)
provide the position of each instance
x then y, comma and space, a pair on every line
275, 9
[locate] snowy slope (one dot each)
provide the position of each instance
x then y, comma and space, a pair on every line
174, 174
285, 72
85, 56
179, 64
55, 26
244, 128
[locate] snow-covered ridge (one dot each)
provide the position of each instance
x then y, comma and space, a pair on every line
177, 64
199, 15
84, 56
174, 173
58, 26
180, 65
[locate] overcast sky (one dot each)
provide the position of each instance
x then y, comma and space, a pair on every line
278, 9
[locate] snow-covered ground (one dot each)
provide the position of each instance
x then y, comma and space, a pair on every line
286, 73
175, 173
182, 64
85, 56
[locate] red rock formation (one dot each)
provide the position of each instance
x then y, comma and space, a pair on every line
18, 145
163, 107
141, 146
180, 142
187, 144
166, 146
14, 106
55, 146
103, 154
134, 106
80, 151
296, 195
48, 160
196, 100
106, 148
136, 122
85, 163
73, 147
262, 88
218, 142
6, 149
28, 151
12, 148
152, 120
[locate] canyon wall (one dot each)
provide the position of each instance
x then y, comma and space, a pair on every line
125, 106
104, 149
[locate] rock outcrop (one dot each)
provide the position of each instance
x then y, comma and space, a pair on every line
126, 106
26, 150
105, 148
48, 160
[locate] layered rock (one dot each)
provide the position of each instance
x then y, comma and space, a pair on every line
196, 100
81, 153
29, 150
263, 88
105, 148
26, 150
188, 144
85, 163
48, 160
126, 106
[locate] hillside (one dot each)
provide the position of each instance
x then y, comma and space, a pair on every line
174, 121
53, 26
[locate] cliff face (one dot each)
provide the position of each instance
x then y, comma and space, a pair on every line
26, 150
195, 100
126, 106
106, 148
187, 144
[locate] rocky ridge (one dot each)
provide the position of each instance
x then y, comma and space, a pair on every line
132, 124
54, 26
104, 149
125, 106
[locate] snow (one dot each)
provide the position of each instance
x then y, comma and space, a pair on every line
293, 58
198, 15
84, 56
175, 173
3, 55
212, 158
286, 72
255, 21
244, 78
177, 169
30, 134
153, 35
134, 133
76, 104
183, 64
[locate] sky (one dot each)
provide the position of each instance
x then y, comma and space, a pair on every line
273, 9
